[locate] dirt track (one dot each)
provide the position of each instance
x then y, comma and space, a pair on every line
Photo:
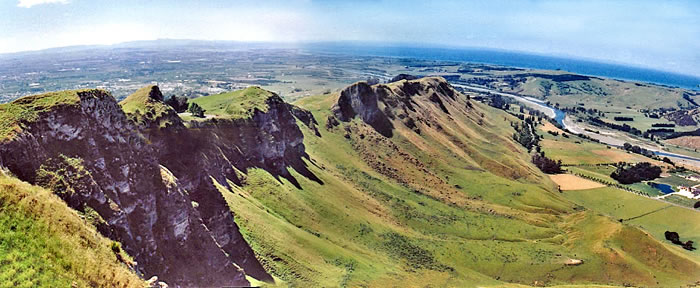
573, 182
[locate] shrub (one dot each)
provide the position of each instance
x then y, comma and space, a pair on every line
196, 110
116, 247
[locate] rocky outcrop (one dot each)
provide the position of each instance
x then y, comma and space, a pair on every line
216, 151
305, 117
361, 99
145, 109
379, 104
400, 77
153, 186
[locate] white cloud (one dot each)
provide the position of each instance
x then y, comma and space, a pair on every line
30, 3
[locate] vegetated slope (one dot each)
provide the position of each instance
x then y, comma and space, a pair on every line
413, 184
692, 142
44, 243
602, 91
146, 107
409, 183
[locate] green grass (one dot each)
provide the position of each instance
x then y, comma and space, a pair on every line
138, 101
43, 243
680, 200
618, 95
144, 109
620, 204
494, 219
14, 116
603, 173
675, 181
235, 104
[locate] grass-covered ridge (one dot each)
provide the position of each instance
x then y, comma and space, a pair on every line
146, 104
455, 206
236, 104
14, 115
44, 243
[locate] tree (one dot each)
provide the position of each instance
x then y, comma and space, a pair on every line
545, 164
498, 101
628, 174
178, 103
196, 110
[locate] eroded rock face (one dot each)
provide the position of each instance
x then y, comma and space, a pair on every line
219, 149
378, 104
143, 203
360, 99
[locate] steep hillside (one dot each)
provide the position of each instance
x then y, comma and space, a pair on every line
43, 243
421, 186
87, 152
408, 183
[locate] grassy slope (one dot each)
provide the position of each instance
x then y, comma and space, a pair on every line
44, 243
140, 106
236, 104
362, 228
618, 94
619, 204
613, 97
27, 109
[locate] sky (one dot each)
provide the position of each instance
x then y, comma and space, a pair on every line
663, 35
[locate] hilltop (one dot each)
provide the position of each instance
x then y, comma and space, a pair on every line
236, 104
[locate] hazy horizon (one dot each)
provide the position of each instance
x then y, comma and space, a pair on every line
646, 34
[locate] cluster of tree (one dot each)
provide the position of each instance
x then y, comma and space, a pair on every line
513, 80
623, 127
483, 81
611, 184
499, 102
547, 165
686, 96
178, 103
695, 132
667, 125
668, 161
628, 174
525, 133
638, 150
675, 239
697, 205
579, 109
196, 110
660, 130
622, 118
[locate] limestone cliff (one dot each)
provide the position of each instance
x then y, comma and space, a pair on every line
153, 184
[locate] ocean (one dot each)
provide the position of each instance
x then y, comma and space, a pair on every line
515, 59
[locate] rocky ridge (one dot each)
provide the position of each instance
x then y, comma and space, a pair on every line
153, 185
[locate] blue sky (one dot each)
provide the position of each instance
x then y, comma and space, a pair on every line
664, 35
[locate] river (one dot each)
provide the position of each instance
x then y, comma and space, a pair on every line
570, 125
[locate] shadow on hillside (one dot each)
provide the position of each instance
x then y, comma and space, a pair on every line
198, 153
300, 167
